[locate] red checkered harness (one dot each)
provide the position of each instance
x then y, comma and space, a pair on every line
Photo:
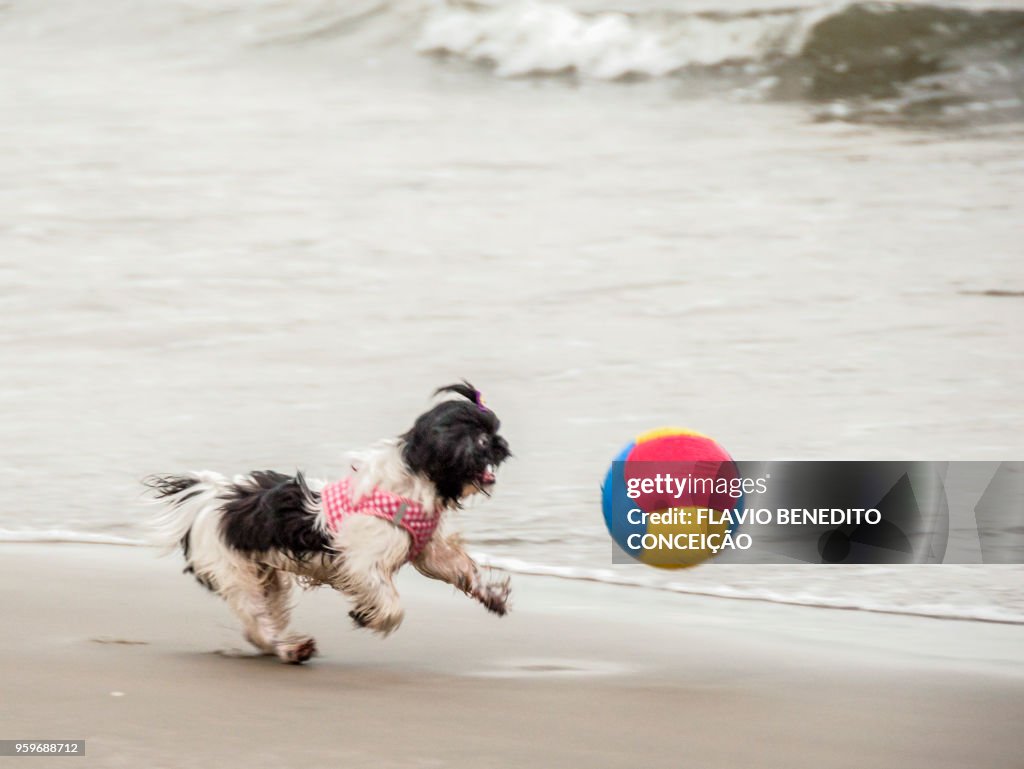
339, 504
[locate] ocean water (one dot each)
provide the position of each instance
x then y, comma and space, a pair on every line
237, 235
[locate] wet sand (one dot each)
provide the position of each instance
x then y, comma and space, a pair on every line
113, 645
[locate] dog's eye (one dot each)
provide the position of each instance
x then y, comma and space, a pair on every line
483, 440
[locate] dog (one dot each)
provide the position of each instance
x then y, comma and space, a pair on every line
248, 539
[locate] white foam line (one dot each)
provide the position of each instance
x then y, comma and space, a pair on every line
605, 576
64, 535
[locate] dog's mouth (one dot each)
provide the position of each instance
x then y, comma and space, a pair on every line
487, 477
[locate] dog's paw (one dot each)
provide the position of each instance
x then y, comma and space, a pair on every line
297, 650
494, 596
379, 621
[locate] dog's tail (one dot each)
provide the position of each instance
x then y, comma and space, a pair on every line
185, 498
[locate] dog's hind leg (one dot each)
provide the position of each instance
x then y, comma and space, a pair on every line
261, 600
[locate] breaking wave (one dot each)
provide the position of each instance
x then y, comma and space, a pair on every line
862, 60
874, 61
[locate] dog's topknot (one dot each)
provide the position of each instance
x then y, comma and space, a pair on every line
465, 389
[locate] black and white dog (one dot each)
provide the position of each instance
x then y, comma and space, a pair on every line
248, 538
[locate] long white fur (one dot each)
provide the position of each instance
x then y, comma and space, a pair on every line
382, 466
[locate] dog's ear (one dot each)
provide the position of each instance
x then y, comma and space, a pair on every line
465, 389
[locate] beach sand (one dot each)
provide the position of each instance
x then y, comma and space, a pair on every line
114, 646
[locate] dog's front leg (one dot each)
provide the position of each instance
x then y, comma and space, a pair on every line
370, 552
445, 559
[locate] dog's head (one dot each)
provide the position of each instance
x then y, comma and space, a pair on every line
456, 445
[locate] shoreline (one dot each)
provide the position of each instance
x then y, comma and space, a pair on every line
115, 646
517, 566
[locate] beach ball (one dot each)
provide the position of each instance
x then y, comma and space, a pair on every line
665, 495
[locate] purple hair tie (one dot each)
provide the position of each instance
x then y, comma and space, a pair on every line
479, 398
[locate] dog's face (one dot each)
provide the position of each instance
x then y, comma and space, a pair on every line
456, 445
